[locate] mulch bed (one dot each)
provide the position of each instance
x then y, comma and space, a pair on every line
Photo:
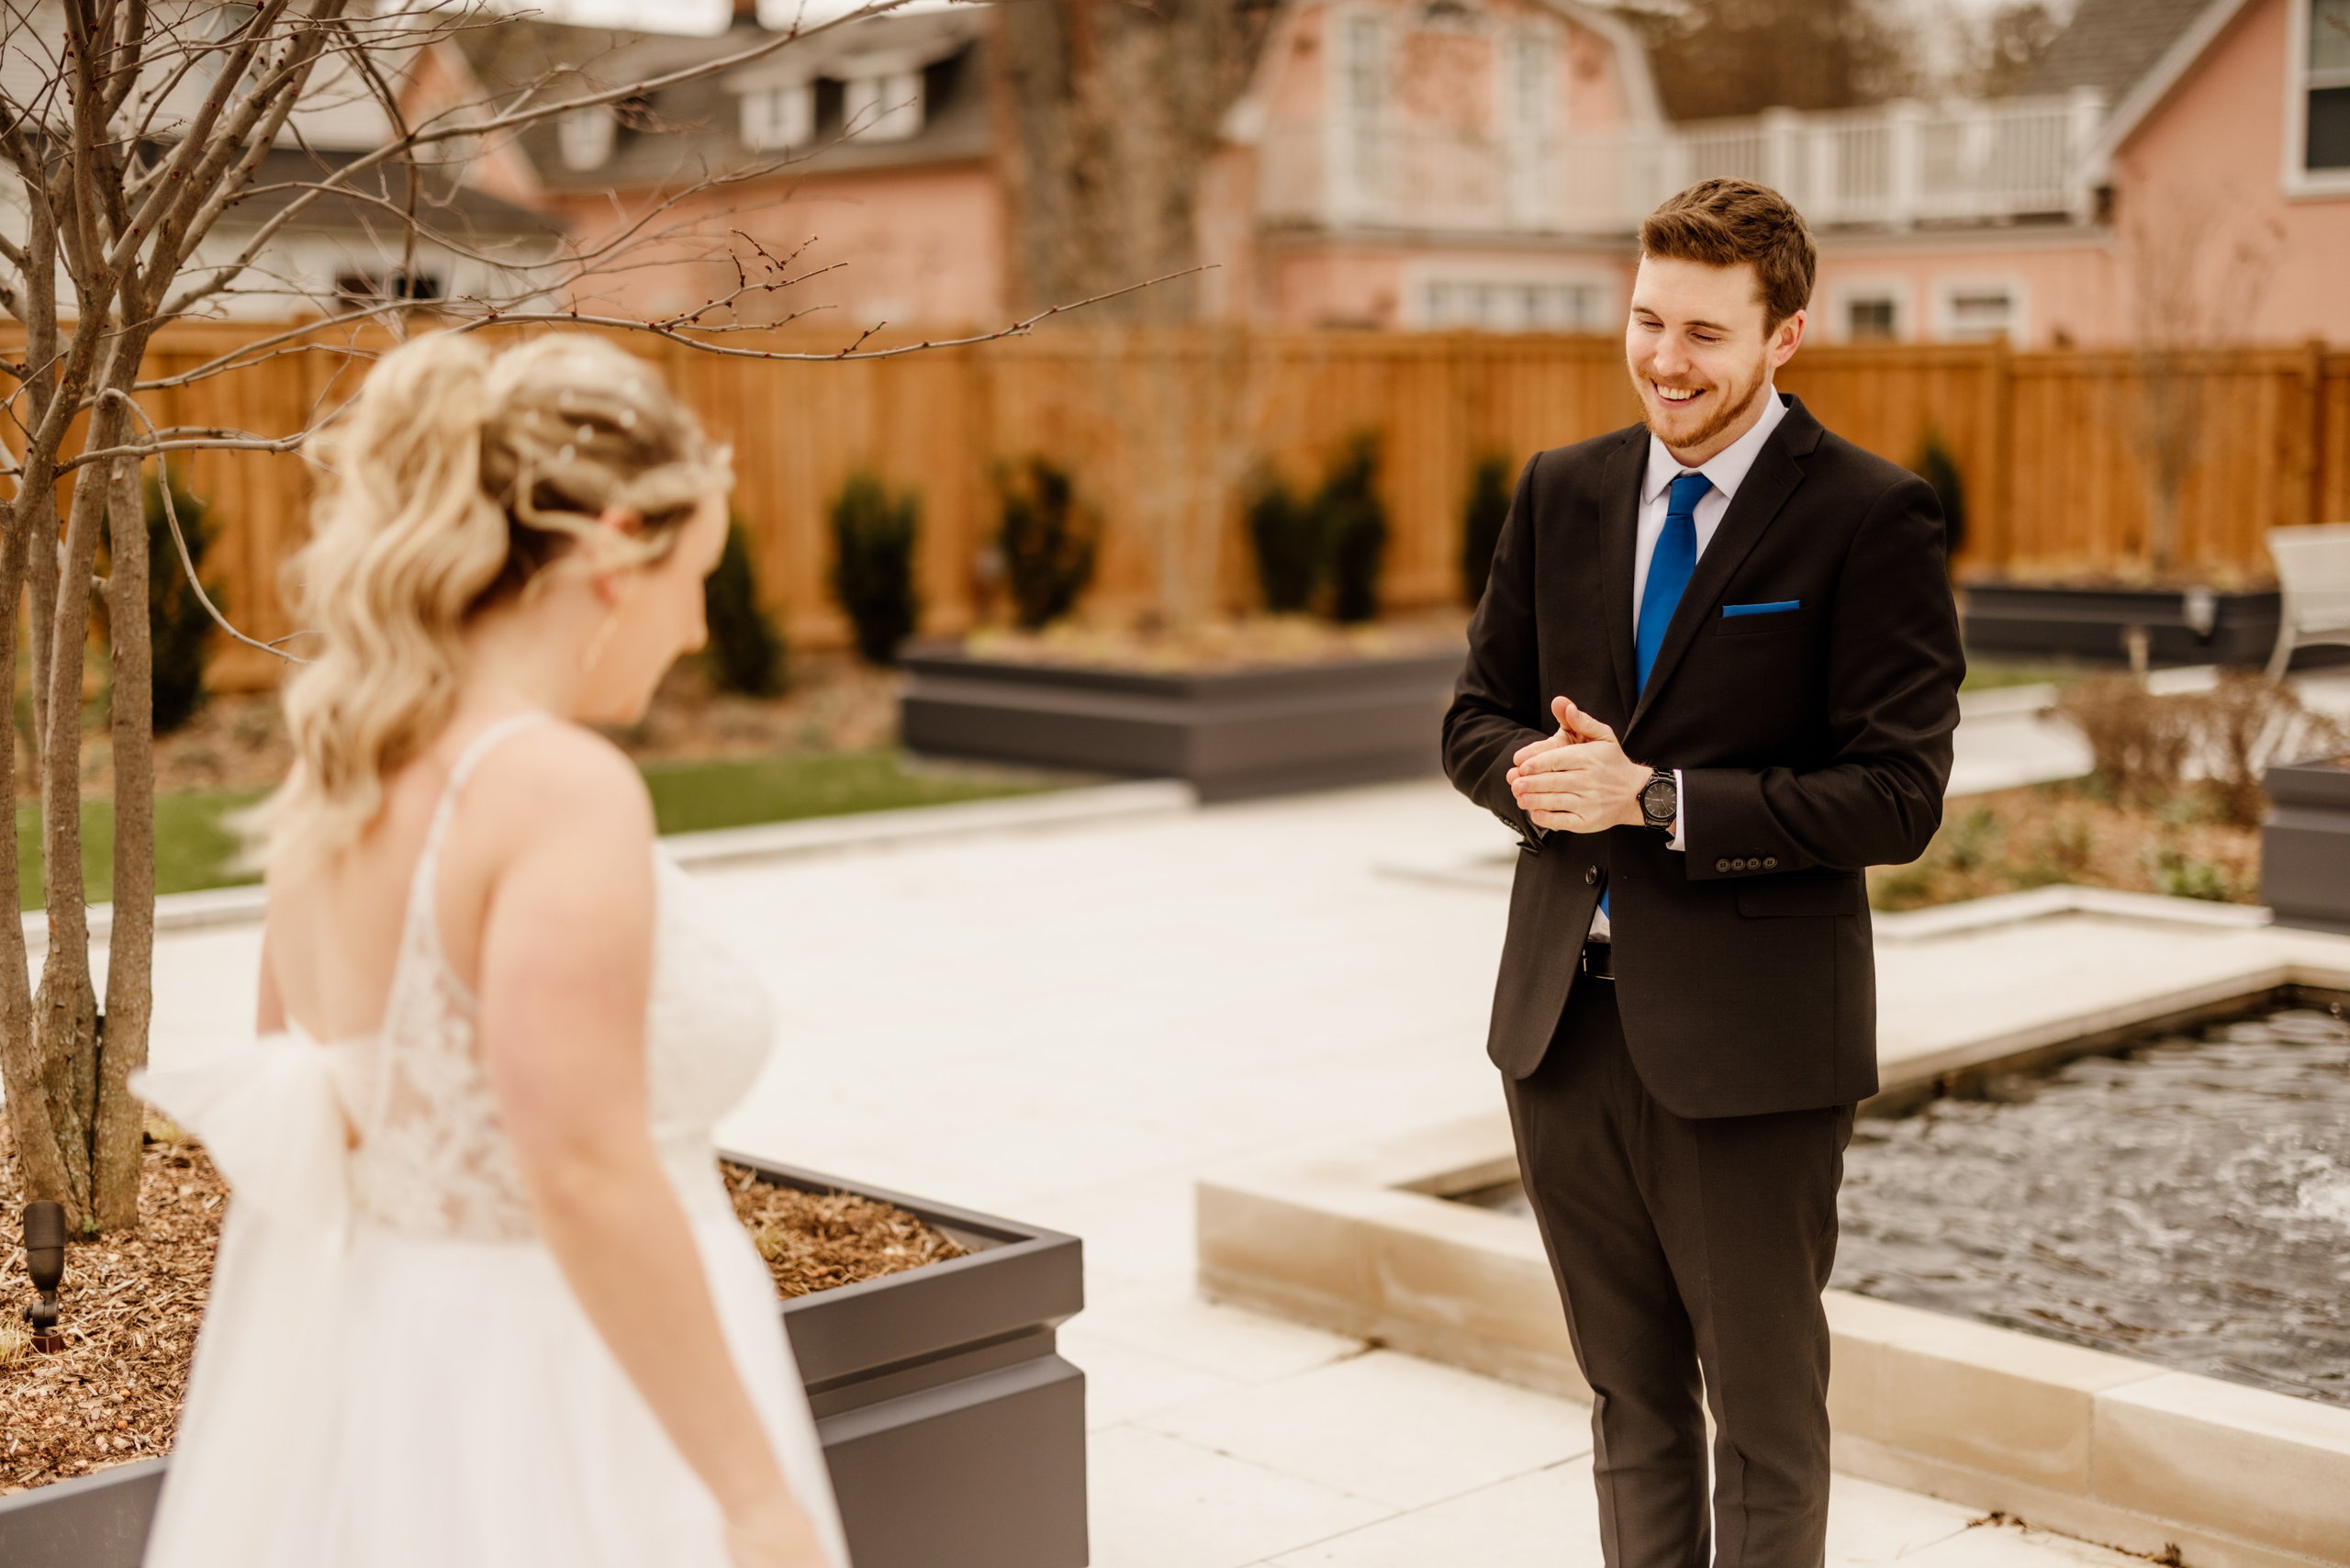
2014, 839
131, 1303
1248, 642
815, 1241
130, 1308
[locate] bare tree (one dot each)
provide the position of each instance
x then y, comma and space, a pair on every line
2196, 277
1113, 109
158, 160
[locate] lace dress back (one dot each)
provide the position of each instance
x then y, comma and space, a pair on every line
339, 1414
433, 1160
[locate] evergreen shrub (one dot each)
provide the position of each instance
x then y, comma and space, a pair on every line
177, 622
746, 652
1353, 525
1048, 542
1287, 536
1935, 465
1481, 525
873, 564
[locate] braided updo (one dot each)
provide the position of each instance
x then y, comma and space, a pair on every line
460, 477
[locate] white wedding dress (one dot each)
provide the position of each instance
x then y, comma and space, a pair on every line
393, 1371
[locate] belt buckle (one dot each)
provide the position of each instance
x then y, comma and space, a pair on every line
1598, 961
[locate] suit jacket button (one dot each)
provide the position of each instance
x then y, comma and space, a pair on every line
1769, 862
1721, 864
1590, 876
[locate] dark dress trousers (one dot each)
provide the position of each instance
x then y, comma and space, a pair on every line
1681, 1127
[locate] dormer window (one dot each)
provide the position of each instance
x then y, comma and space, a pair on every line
882, 101
780, 116
585, 136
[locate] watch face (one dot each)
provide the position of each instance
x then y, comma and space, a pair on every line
1656, 801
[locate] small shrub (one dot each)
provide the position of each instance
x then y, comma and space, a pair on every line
2139, 743
1935, 465
873, 565
1480, 526
1353, 524
177, 622
1970, 842
746, 652
2249, 721
2178, 875
1288, 539
1048, 545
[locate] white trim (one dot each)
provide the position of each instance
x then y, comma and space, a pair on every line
1943, 286
2299, 182
2155, 84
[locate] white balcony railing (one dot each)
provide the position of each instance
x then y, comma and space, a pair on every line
1892, 166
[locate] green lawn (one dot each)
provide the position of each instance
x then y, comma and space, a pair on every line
194, 848
1984, 672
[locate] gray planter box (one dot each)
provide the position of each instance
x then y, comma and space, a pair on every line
2305, 845
1228, 733
955, 1432
2031, 621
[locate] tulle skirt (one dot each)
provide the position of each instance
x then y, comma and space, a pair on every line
388, 1402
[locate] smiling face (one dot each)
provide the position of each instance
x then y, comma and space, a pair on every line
655, 616
1699, 354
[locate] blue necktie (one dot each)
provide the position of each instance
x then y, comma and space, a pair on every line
1670, 566
1674, 559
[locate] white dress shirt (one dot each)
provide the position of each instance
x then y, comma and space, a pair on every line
1728, 469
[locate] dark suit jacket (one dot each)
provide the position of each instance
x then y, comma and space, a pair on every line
1813, 743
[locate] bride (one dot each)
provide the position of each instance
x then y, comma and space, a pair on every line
481, 1298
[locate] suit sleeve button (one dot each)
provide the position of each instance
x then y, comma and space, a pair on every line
1590, 876
1769, 862
1721, 864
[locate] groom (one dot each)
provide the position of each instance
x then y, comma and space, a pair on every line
1714, 675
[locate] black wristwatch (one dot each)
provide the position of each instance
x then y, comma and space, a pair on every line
1660, 801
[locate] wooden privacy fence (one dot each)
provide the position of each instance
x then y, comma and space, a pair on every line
1163, 430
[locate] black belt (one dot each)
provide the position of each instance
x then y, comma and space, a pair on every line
1599, 960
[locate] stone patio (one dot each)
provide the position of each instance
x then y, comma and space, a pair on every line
1071, 1024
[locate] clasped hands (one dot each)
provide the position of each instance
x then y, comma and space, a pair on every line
1578, 780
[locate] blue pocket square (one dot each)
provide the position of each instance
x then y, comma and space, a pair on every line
1728, 610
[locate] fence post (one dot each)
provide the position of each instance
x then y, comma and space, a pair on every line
2313, 381
1999, 389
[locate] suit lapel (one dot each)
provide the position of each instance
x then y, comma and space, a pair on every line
1620, 493
1766, 488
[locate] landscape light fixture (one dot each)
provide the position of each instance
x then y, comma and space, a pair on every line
45, 1261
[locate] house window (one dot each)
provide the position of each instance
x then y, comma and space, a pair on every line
1529, 85
1871, 319
2325, 145
886, 106
1979, 310
1361, 58
780, 116
360, 288
1503, 304
585, 136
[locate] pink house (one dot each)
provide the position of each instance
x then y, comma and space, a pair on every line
2221, 146
1483, 164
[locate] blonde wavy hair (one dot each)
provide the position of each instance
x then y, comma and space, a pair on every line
460, 477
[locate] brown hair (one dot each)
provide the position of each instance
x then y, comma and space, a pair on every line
1726, 223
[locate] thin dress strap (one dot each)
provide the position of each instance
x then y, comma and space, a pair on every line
420, 930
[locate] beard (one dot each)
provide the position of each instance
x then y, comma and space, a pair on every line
1729, 413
